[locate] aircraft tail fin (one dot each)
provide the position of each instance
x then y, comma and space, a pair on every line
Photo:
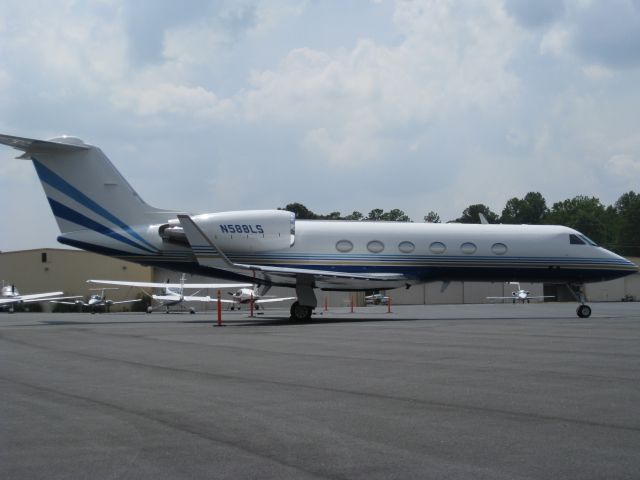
84, 189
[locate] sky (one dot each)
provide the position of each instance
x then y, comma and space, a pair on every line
426, 105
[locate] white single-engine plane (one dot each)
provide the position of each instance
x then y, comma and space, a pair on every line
521, 295
96, 301
173, 293
97, 210
246, 296
10, 297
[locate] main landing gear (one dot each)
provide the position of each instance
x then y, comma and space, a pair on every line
302, 308
583, 310
300, 313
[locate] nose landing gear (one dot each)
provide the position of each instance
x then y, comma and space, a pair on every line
583, 310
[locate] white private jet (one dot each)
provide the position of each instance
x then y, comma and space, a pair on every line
97, 301
173, 293
97, 210
521, 295
10, 297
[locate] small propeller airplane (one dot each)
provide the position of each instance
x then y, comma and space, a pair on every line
244, 296
521, 295
97, 301
10, 297
173, 293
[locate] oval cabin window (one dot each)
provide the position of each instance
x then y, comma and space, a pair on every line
375, 246
438, 247
406, 247
468, 248
344, 246
499, 248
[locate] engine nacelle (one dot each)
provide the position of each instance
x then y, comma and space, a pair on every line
241, 231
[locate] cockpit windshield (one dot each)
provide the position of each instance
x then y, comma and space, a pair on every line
575, 240
588, 240
580, 239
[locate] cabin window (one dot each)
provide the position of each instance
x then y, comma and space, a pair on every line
499, 248
344, 246
575, 240
406, 247
438, 247
375, 246
468, 248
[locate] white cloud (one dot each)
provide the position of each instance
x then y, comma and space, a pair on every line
624, 165
597, 72
348, 99
461, 102
555, 41
168, 98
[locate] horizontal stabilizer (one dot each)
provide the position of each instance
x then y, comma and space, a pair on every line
31, 145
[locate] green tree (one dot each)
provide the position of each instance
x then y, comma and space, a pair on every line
432, 217
302, 212
375, 214
354, 216
530, 210
331, 216
585, 214
395, 215
471, 214
627, 208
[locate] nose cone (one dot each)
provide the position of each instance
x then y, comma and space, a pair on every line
620, 266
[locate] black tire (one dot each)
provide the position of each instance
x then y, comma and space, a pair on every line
300, 313
583, 311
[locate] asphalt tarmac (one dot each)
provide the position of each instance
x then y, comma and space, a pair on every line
439, 392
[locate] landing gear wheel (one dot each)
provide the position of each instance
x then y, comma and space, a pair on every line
300, 313
192, 311
149, 309
583, 311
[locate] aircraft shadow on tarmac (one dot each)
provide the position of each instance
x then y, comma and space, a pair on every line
271, 321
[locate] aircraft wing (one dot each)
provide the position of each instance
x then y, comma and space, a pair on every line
126, 301
201, 243
56, 300
501, 298
188, 298
34, 297
271, 300
171, 285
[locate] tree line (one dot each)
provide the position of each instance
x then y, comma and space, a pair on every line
616, 227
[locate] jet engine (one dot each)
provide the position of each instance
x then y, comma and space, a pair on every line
242, 231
